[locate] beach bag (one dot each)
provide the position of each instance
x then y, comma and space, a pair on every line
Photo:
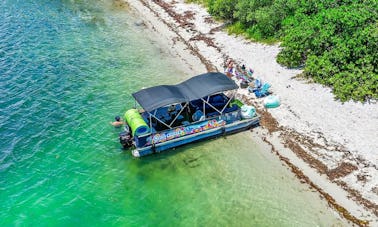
263, 91
248, 111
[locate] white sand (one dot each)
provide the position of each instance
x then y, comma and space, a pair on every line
344, 132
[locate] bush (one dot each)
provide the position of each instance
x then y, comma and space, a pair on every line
335, 42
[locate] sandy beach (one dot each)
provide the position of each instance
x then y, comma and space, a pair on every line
329, 145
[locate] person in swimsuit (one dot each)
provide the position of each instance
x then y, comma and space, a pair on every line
118, 122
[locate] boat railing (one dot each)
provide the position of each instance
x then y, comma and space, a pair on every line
145, 140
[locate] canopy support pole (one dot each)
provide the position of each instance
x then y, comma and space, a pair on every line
153, 115
178, 114
229, 101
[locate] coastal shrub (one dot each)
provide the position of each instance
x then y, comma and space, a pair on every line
201, 2
335, 42
236, 28
337, 47
223, 9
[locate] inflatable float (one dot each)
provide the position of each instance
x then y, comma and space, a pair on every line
272, 101
136, 122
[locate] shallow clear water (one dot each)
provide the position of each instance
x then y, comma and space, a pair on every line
67, 67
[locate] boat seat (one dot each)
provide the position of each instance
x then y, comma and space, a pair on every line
166, 116
185, 123
197, 115
227, 110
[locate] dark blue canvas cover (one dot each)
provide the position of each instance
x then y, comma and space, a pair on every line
194, 88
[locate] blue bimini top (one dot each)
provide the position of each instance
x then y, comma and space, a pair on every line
194, 88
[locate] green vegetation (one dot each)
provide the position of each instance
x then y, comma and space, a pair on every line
334, 41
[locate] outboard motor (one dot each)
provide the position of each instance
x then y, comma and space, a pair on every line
125, 137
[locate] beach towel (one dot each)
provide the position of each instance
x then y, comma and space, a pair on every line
263, 91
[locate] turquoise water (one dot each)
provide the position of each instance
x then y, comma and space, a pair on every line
67, 67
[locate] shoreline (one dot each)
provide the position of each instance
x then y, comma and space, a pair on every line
327, 144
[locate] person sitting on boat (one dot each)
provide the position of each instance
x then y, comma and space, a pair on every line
171, 108
118, 122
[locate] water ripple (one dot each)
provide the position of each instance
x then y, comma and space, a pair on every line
66, 68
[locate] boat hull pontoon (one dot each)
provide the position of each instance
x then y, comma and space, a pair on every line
208, 134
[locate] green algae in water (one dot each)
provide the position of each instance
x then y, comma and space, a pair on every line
67, 68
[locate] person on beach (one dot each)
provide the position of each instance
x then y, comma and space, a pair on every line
118, 122
230, 68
